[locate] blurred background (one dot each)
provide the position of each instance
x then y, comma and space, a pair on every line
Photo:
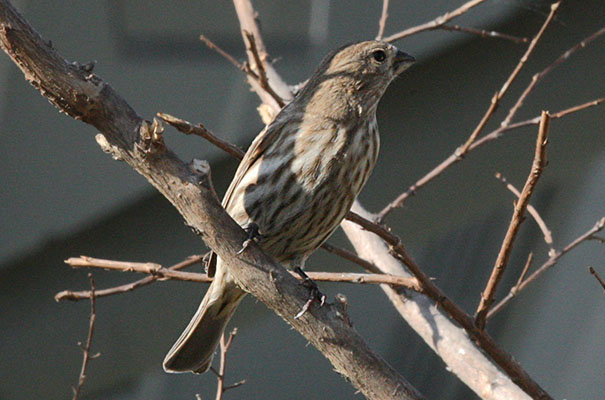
62, 197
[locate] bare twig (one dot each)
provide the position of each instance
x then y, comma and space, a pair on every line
539, 76
347, 255
500, 94
383, 19
211, 45
86, 294
530, 259
502, 358
487, 297
495, 101
248, 23
453, 158
552, 261
159, 272
188, 128
257, 70
597, 277
88, 262
435, 23
484, 33
86, 357
221, 388
532, 210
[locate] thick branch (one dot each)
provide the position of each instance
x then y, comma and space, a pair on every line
433, 324
502, 358
127, 137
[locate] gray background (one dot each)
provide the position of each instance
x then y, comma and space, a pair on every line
62, 197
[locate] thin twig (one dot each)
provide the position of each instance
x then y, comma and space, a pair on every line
160, 272
86, 357
539, 76
128, 287
530, 259
259, 64
533, 212
500, 357
354, 258
453, 158
598, 278
484, 33
552, 261
248, 19
227, 56
500, 94
221, 388
435, 23
487, 297
383, 19
199, 130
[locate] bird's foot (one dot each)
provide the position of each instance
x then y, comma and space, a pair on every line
315, 296
253, 235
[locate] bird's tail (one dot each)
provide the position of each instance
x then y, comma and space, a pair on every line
193, 351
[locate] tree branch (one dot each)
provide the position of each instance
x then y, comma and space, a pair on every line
503, 359
500, 94
85, 294
539, 76
484, 33
454, 158
188, 187
597, 277
433, 323
435, 23
551, 262
159, 272
532, 211
487, 297
383, 19
86, 356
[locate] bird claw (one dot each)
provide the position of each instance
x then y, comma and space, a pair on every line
314, 294
253, 235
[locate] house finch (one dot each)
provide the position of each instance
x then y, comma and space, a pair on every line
298, 179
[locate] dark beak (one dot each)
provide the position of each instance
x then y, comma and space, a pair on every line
402, 61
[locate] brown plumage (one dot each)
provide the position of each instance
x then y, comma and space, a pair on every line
298, 179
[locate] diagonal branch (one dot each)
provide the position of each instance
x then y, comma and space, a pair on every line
500, 94
487, 297
539, 76
501, 357
454, 158
532, 211
551, 262
594, 273
188, 187
435, 23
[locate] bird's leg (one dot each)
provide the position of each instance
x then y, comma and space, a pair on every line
314, 296
251, 229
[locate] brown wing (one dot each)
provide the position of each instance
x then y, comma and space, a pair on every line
258, 146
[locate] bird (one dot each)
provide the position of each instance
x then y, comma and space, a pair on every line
297, 180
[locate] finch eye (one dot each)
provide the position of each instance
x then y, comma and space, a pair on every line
379, 55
